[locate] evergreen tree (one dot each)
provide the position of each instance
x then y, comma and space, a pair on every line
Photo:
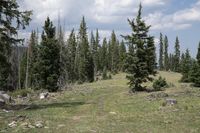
166, 57
11, 19
48, 65
109, 56
71, 53
97, 47
151, 56
94, 50
103, 55
122, 55
161, 66
86, 65
137, 60
198, 54
186, 64
177, 56
171, 62
114, 53
195, 74
23, 67
195, 70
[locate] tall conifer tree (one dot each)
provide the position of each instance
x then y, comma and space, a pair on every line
49, 59
11, 19
166, 56
137, 58
86, 65
177, 56
161, 66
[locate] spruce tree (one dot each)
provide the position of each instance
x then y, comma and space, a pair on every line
63, 59
166, 56
109, 56
177, 56
86, 65
198, 54
97, 47
103, 55
94, 50
195, 70
122, 56
195, 74
137, 58
114, 52
49, 59
71, 53
11, 19
161, 66
151, 56
186, 63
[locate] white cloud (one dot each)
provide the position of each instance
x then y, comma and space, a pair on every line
179, 20
153, 2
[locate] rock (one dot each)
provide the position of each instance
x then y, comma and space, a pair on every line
113, 113
39, 124
27, 125
2, 102
12, 124
61, 125
30, 126
20, 118
157, 95
44, 95
5, 97
171, 101
7, 111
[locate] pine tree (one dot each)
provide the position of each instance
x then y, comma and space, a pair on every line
186, 64
137, 60
97, 47
161, 66
114, 53
177, 56
10, 16
94, 51
86, 65
166, 56
198, 54
49, 59
195, 74
71, 53
103, 54
151, 56
195, 70
63, 57
122, 56
109, 56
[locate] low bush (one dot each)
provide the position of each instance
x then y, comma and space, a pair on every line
159, 84
21, 92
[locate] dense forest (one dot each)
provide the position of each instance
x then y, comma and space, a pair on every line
53, 62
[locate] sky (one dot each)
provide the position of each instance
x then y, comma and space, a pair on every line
171, 17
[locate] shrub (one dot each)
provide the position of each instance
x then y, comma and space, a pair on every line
104, 75
109, 76
159, 83
21, 92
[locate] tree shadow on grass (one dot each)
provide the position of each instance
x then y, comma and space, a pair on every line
42, 106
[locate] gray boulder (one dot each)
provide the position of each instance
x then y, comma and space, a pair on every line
44, 95
2, 102
171, 101
5, 97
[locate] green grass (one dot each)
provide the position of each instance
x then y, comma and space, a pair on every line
86, 109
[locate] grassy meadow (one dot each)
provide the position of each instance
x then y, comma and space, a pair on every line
107, 107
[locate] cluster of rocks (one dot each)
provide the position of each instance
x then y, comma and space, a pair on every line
24, 122
5, 98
